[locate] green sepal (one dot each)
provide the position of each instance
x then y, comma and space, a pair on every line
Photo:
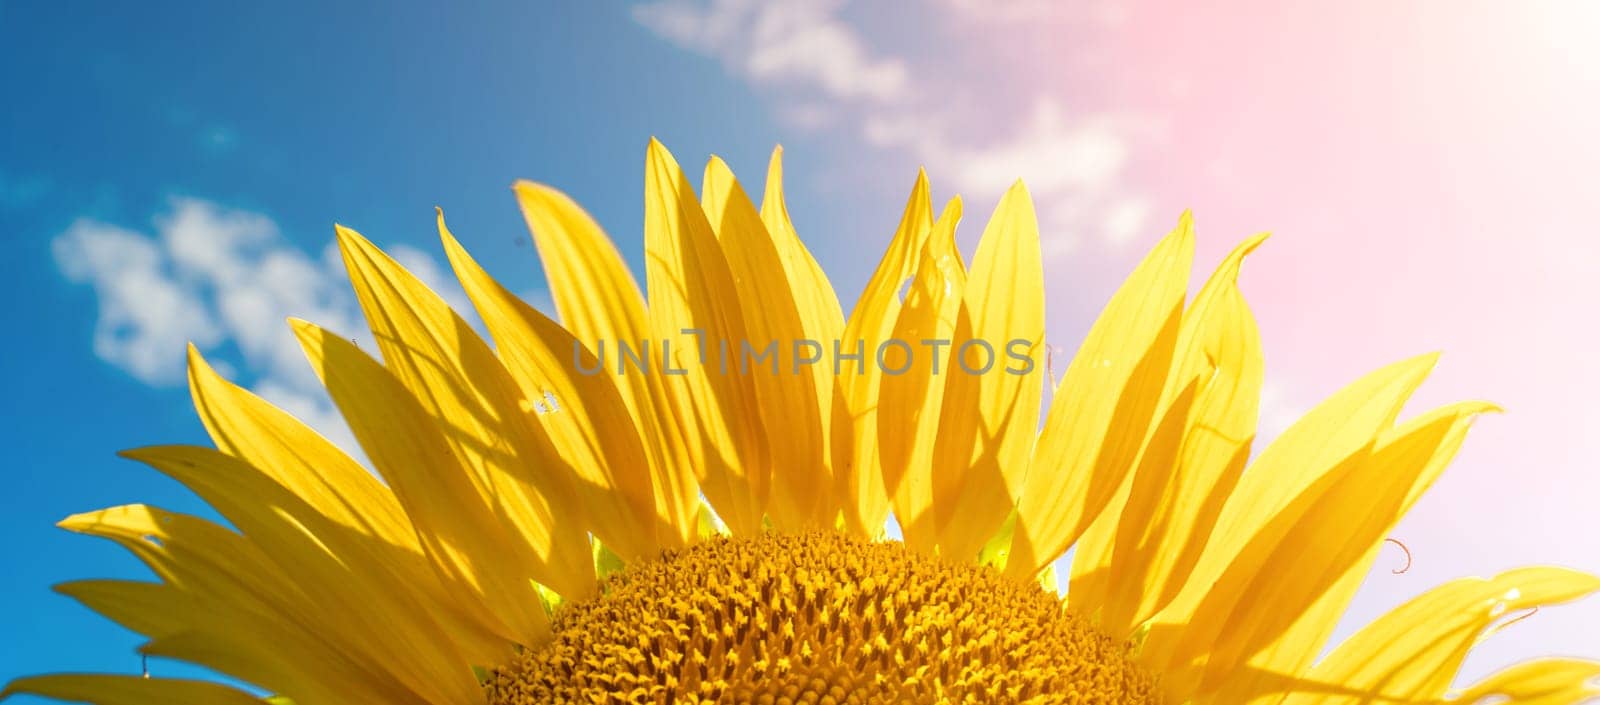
998, 549
606, 561
709, 525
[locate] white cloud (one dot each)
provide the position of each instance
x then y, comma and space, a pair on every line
216, 276
1072, 168
690, 25
1126, 219
146, 314
798, 43
1054, 154
1004, 10
824, 72
811, 116
1036, 12
803, 42
210, 243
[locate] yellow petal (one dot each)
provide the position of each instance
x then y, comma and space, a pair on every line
1329, 433
246, 426
860, 486
993, 381
104, 689
1102, 411
232, 609
600, 305
820, 317
787, 390
1550, 681
182, 550
1412, 653
360, 603
911, 392
596, 296
1316, 552
458, 517
248, 639
310, 675
819, 306
1185, 474
141, 607
1338, 428
1096, 593
589, 424
486, 421
303, 462
691, 289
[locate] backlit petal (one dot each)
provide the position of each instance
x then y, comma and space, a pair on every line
103, 689
821, 319
1413, 652
1103, 408
860, 484
600, 305
911, 391
458, 515
587, 421
1189, 467
697, 325
770, 359
993, 381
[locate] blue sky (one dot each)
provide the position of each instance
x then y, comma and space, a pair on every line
171, 174
119, 113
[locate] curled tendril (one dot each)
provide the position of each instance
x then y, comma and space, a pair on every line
1519, 618
1403, 547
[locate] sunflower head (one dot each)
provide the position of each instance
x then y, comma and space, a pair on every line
819, 617
681, 495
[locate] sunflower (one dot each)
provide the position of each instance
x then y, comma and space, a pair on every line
556, 524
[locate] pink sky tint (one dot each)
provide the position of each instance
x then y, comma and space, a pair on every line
1429, 170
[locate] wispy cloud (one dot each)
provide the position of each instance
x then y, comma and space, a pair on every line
225, 280
1071, 166
801, 44
1034, 12
146, 313
822, 71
